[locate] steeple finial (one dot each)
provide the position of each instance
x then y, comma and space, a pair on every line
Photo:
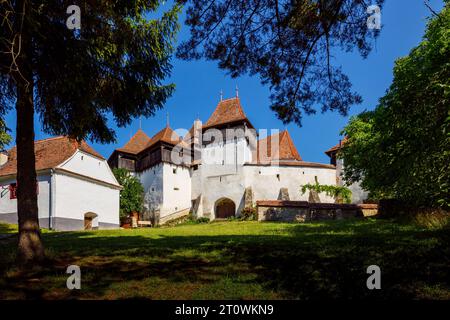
140, 123
237, 92
167, 120
221, 94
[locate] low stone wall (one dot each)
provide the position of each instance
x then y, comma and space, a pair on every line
303, 211
173, 216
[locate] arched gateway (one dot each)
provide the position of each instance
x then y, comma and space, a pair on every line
224, 208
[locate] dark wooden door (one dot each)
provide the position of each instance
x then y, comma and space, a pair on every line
225, 209
87, 223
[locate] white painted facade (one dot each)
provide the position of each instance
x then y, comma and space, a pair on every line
265, 182
81, 184
167, 188
225, 172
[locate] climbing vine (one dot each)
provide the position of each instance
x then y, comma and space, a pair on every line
330, 190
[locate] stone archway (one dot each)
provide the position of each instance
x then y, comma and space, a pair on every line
90, 221
224, 208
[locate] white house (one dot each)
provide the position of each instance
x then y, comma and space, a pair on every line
219, 167
76, 187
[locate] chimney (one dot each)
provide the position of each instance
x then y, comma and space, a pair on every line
3, 157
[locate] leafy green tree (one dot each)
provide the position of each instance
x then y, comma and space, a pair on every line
132, 194
114, 65
287, 43
402, 148
5, 138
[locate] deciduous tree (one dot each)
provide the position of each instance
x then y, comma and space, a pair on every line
402, 148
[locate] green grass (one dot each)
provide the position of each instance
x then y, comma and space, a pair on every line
238, 260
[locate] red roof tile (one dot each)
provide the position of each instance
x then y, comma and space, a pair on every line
49, 153
227, 111
166, 135
336, 147
136, 144
285, 150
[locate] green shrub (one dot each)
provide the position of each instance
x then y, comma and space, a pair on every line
427, 218
132, 194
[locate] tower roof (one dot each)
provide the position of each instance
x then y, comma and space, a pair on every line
284, 150
337, 147
227, 111
136, 144
166, 135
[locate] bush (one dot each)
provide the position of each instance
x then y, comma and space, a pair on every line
132, 194
428, 218
248, 213
194, 220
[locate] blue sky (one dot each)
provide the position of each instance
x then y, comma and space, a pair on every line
198, 86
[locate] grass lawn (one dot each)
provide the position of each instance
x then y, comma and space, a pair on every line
238, 260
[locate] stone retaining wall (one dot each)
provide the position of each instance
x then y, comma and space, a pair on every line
302, 211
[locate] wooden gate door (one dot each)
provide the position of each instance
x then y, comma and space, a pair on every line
225, 209
87, 223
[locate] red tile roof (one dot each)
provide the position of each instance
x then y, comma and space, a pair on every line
227, 111
49, 154
285, 150
336, 147
136, 144
166, 135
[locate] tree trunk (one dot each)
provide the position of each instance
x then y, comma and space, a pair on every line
30, 248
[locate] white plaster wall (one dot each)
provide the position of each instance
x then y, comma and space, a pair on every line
8, 205
215, 187
225, 158
74, 197
152, 181
176, 189
358, 194
266, 185
88, 165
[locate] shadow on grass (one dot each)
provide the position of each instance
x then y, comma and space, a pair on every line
327, 260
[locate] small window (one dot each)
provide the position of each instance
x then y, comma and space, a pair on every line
174, 171
278, 177
153, 189
82, 157
176, 189
195, 167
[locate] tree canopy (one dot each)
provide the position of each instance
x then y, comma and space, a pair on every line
289, 44
5, 138
77, 66
132, 194
402, 148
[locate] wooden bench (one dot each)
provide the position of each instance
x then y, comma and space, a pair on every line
144, 223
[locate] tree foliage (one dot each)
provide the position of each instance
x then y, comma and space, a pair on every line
337, 192
5, 138
114, 66
132, 194
402, 148
289, 44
